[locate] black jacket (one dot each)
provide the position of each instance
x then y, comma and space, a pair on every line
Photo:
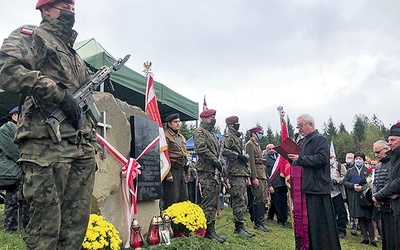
381, 178
277, 181
314, 159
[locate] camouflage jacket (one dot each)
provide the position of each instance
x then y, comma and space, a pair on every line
257, 169
232, 148
206, 147
40, 64
176, 147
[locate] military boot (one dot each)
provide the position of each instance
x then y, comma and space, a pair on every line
211, 234
239, 229
259, 218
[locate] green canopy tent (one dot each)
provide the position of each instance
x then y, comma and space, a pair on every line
129, 85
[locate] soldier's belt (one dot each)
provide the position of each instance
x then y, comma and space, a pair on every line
258, 161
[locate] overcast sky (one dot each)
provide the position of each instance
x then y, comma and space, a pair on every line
326, 58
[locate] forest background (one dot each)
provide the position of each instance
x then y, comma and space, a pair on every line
364, 132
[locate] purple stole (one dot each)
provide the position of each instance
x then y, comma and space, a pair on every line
300, 210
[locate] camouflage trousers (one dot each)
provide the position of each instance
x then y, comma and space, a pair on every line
16, 209
210, 188
238, 194
58, 185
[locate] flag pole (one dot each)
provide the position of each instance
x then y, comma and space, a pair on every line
289, 197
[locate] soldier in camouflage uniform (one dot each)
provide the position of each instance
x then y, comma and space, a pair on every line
40, 64
208, 168
238, 173
260, 184
16, 209
174, 185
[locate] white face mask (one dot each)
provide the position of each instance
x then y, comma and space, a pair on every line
331, 161
349, 161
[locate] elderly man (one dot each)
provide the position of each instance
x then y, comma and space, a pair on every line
315, 188
40, 64
260, 184
392, 188
238, 173
208, 168
174, 185
381, 195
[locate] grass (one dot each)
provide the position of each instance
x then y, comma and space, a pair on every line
278, 238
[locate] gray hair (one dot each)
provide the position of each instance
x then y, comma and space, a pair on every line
381, 143
307, 118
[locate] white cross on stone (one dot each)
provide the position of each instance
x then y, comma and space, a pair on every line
104, 126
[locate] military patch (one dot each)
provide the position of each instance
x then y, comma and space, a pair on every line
27, 31
200, 132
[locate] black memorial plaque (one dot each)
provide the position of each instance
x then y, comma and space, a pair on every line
144, 131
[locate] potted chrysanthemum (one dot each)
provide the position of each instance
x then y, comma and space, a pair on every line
186, 217
101, 235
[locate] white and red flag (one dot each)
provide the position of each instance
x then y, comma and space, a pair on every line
151, 108
281, 163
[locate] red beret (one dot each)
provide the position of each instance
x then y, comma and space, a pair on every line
41, 3
207, 113
256, 129
232, 119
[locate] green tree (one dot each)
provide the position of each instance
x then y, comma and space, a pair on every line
290, 128
342, 128
360, 124
330, 130
372, 134
344, 143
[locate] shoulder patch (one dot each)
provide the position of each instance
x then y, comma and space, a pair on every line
26, 31
200, 132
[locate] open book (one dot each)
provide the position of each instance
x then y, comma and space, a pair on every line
288, 146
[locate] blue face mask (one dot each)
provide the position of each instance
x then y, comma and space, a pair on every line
358, 162
189, 159
260, 136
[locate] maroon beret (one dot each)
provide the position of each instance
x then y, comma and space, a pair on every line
41, 3
207, 113
256, 129
395, 130
232, 119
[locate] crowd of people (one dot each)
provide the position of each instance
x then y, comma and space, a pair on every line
359, 194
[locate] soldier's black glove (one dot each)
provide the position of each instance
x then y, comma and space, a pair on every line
334, 182
218, 165
242, 158
71, 108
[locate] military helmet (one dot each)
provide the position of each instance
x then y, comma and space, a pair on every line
41, 3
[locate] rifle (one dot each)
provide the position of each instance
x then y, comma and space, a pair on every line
84, 96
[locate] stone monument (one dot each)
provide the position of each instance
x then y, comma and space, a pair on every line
107, 197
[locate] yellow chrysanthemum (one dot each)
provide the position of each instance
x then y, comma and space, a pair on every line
188, 214
101, 235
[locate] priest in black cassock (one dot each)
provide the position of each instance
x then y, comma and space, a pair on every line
317, 228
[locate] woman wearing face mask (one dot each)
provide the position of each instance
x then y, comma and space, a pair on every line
260, 184
353, 181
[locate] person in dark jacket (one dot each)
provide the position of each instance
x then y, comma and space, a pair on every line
316, 186
381, 178
392, 188
356, 181
279, 202
16, 209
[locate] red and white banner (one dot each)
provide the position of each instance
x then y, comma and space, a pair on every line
281, 163
151, 108
130, 171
